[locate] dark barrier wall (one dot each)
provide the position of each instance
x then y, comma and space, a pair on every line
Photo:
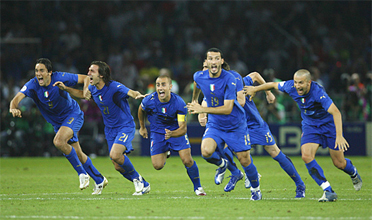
287, 137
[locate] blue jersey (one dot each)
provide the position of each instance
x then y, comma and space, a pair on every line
163, 115
54, 104
251, 112
215, 91
113, 103
313, 105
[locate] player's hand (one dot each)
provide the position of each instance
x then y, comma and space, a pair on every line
143, 132
87, 94
16, 112
194, 108
341, 143
203, 120
270, 97
140, 96
249, 91
60, 85
168, 134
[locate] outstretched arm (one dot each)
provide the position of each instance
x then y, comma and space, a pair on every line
225, 109
136, 94
13, 107
74, 92
256, 77
85, 79
340, 140
251, 90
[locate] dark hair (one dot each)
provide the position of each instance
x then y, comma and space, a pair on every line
214, 49
46, 62
225, 66
103, 70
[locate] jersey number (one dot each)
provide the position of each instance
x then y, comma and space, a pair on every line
70, 120
123, 138
214, 101
268, 137
106, 110
246, 139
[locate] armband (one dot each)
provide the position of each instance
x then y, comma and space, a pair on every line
181, 117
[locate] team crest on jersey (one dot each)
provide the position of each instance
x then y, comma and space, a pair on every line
164, 110
46, 94
100, 98
212, 87
303, 100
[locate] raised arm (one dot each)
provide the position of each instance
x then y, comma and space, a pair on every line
340, 140
136, 94
85, 79
13, 107
195, 93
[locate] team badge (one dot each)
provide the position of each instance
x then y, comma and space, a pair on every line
164, 110
46, 94
303, 100
100, 98
212, 87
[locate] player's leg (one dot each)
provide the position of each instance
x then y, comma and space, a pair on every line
236, 174
64, 134
287, 165
251, 172
347, 166
192, 170
158, 160
308, 152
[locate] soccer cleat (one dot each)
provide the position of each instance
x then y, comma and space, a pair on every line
328, 197
141, 186
220, 173
200, 192
300, 191
84, 181
256, 195
168, 154
97, 190
247, 183
233, 180
357, 181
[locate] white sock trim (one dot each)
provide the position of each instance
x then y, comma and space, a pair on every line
325, 185
223, 163
255, 189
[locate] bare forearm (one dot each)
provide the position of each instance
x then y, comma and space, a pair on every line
195, 93
141, 117
75, 92
266, 86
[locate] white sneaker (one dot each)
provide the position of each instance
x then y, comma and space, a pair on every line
138, 184
200, 192
145, 190
357, 182
247, 183
99, 187
84, 181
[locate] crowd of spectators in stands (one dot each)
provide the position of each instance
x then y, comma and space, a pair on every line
138, 39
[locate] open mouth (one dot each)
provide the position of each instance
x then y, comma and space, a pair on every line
40, 79
214, 68
91, 80
161, 94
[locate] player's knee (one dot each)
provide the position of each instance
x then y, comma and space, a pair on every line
206, 152
307, 158
158, 166
58, 142
188, 162
115, 157
339, 164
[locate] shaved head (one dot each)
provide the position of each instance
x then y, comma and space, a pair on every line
303, 73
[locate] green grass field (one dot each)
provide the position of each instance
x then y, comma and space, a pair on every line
47, 188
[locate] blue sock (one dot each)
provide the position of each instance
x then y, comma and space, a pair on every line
252, 174
231, 165
349, 168
92, 171
130, 173
316, 172
75, 162
193, 173
289, 168
214, 159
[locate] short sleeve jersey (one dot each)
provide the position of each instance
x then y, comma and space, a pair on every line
54, 104
252, 114
163, 115
313, 105
215, 91
112, 100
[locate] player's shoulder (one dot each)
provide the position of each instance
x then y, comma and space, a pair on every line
248, 80
200, 73
150, 97
176, 98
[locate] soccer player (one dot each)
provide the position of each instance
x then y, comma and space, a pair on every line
260, 133
321, 125
226, 122
111, 98
63, 112
166, 113
236, 174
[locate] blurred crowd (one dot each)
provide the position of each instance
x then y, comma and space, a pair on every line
142, 39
